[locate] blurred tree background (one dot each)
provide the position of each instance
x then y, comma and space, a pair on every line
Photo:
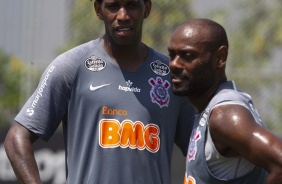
164, 17
10, 68
33, 33
255, 33
255, 57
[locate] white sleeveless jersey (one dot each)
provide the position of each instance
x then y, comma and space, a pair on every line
204, 164
223, 167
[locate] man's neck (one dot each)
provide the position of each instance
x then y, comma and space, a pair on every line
128, 57
200, 102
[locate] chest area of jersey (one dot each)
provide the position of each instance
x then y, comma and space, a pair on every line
124, 108
110, 86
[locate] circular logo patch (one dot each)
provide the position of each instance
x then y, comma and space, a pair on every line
95, 64
160, 68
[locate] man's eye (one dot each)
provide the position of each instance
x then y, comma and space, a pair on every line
188, 56
133, 5
112, 7
171, 55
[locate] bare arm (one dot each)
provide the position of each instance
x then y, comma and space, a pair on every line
235, 132
18, 146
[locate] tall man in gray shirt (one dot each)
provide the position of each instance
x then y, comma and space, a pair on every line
114, 98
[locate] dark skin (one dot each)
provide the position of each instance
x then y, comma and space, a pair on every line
123, 30
198, 68
123, 21
18, 146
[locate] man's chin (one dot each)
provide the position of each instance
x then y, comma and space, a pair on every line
180, 92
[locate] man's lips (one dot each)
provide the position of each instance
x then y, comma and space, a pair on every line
176, 79
123, 28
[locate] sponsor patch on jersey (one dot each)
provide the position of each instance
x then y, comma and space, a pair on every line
129, 134
159, 92
189, 179
40, 91
114, 112
160, 68
30, 111
192, 151
204, 119
95, 64
129, 87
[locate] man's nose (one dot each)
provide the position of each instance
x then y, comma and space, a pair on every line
175, 62
122, 14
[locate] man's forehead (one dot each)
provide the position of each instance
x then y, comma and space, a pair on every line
196, 32
188, 32
185, 32
191, 36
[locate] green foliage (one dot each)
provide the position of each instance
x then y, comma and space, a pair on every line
254, 29
13, 81
165, 15
84, 24
11, 68
259, 33
253, 43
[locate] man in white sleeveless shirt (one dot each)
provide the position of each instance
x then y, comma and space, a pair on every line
229, 143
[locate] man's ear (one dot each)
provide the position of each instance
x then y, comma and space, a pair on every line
222, 54
98, 10
148, 6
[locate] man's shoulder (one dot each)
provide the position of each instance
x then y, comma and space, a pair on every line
159, 54
78, 53
82, 48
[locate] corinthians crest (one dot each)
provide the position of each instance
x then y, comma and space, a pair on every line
159, 92
192, 150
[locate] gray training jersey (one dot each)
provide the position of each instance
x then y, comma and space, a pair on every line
119, 127
197, 171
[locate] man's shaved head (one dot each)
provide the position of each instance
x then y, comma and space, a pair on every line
212, 34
